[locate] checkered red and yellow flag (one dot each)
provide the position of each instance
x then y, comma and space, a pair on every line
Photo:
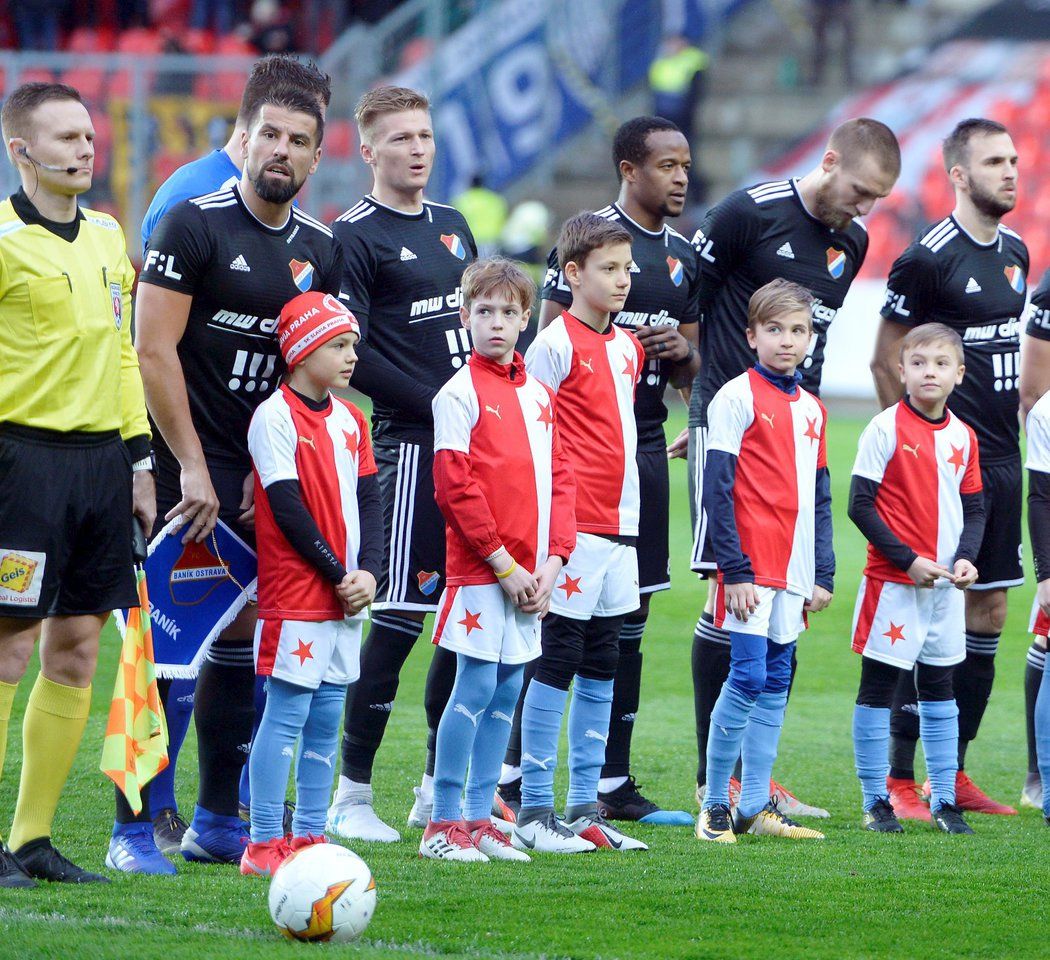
136, 745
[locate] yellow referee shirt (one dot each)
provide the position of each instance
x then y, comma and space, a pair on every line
66, 357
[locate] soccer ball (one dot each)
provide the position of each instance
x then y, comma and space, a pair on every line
323, 893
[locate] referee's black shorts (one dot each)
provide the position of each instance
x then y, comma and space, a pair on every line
999, 559
227, 480
654, 555
65, 523
413, 573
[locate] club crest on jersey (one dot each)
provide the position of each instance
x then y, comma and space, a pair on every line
117, 299
676, 270
1015, 277
302, 274
836, 262
454, 245
428, 581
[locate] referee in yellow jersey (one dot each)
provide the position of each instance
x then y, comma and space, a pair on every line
75, 458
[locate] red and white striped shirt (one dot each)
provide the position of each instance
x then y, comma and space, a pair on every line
325, 451
594, 376
500, 476
779, 443
922, 469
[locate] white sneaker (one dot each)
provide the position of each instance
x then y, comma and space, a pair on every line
603, 834
548, 835
450, 841
495, 844
419, 815
1032, 794
791, 806
352, 817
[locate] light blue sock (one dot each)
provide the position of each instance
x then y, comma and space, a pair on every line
287, 707
758, 751
178, 710
939, 732
588, 735
490, 744
541, 715
471, 693
871, 748
318, 759
728, 721
1042, 737
244, 788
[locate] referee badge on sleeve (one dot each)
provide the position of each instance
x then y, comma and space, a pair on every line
116, 296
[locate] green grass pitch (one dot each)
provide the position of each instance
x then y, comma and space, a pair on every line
855, 895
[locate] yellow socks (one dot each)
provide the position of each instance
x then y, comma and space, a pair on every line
7, 699
51, 732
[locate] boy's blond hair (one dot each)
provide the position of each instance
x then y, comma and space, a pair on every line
927, 334
583, 234
382, 100
497, 275
777, 298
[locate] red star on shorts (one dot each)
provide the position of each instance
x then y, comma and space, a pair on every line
895, 633
629, 368
472, 622
811, 429
303, 652
546, 414
956, 459
351, 442
570, 586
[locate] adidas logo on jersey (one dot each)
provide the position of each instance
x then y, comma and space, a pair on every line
407, 254
240, 264
786, 251
972, 286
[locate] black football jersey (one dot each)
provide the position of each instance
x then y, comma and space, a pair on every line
978, 290
1039, 314
401, 280
240, 273
751, 237
663, 293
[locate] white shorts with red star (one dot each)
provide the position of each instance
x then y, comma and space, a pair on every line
480, 620
308, 653
901, 624
600, 580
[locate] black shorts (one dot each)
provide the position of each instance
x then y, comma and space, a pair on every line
654, 554
702, 560
413, 573
65, 523
999, 559
226, 479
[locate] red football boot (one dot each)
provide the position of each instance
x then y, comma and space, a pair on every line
906, 799
969, 796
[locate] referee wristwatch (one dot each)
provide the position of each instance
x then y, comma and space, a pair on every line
146, 463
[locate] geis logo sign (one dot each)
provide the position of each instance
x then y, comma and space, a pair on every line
21, 576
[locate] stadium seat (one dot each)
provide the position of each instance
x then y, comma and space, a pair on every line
90, 81
340, 139
91, 40
36, 74
197, 41
140, 40
234, 45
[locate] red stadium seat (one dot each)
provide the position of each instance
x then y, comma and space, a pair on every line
36, 74
91, 40
234, 45
140, 40
226, 86
90, 81
197, 41
340, 138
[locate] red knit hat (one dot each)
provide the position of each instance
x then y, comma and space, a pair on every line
310, 320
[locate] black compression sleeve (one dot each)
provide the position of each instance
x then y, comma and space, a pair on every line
379, 379
862, 512
1039, 521
370, 512
301, 530
973, 527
